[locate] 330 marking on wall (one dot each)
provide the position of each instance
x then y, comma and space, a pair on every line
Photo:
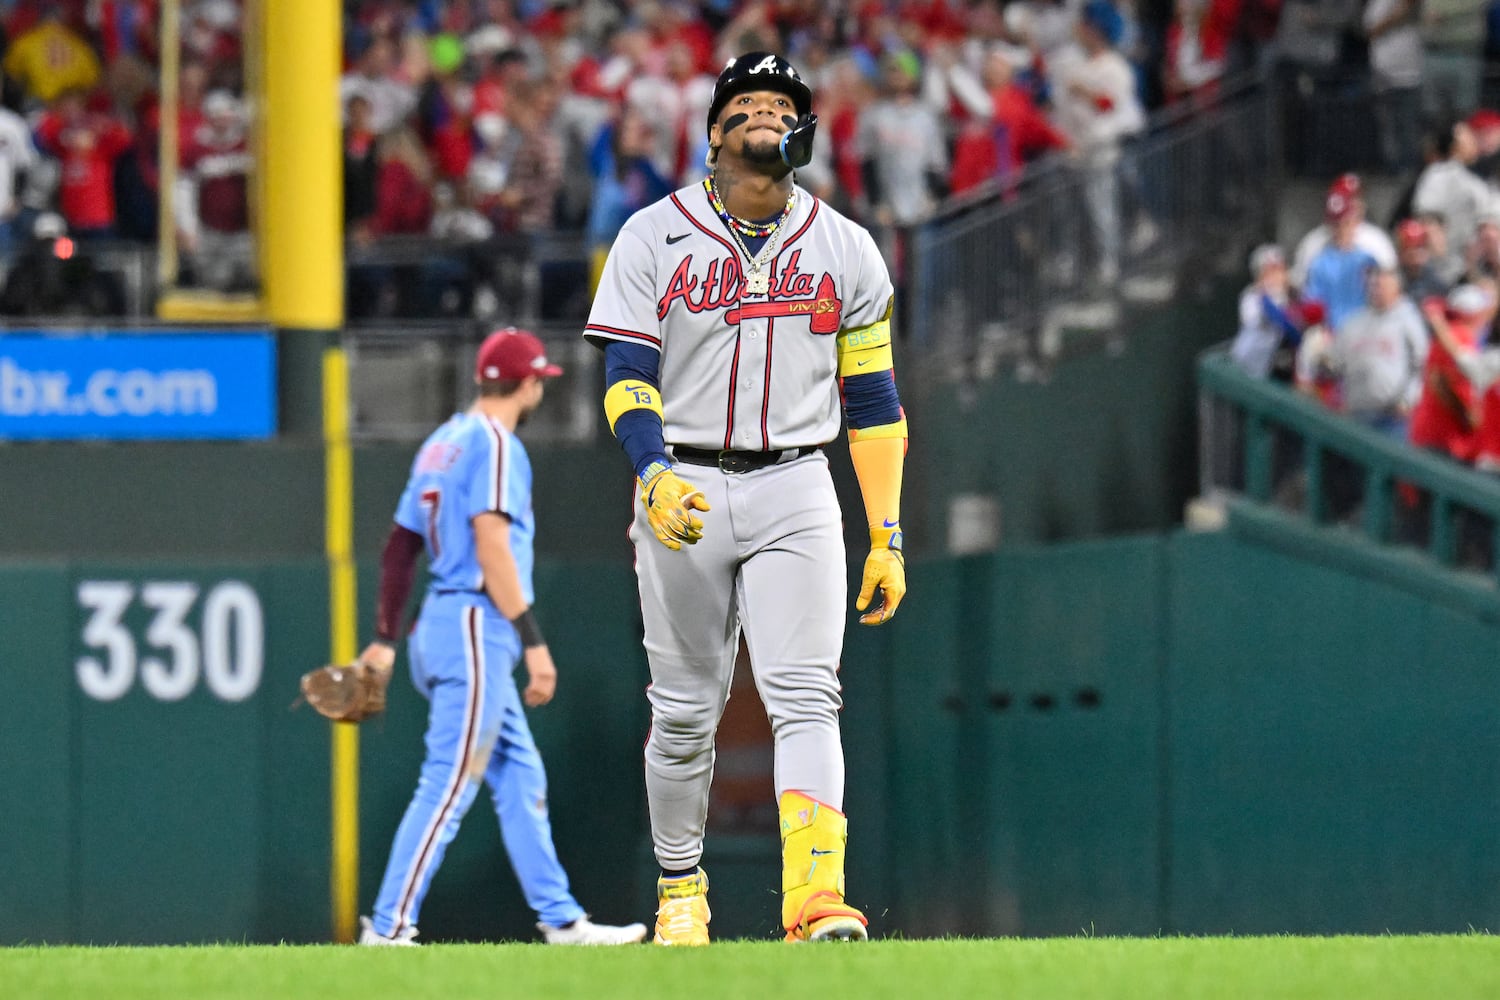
226, 653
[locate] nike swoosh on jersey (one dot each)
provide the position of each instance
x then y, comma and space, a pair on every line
677, 239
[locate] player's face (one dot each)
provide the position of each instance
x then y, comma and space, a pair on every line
751, 125
531, 391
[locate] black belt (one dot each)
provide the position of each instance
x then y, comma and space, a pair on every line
738, 461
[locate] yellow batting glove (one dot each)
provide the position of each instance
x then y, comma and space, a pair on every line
669, 503
885, 569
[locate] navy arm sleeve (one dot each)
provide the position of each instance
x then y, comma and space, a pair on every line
638, 431
871, 400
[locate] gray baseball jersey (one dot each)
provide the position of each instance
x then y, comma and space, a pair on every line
752, 372
741, 371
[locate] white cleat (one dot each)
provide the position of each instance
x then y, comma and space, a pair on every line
585, 931
370, 937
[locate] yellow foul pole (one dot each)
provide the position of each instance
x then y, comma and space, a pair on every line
303, 259
170, 143
301, 208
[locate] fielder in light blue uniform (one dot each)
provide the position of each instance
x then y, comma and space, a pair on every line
468, 504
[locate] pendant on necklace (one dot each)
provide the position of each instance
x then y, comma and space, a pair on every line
757, 283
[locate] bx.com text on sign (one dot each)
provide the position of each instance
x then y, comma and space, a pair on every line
107, 393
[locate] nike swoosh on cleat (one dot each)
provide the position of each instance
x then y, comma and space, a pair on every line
677, 239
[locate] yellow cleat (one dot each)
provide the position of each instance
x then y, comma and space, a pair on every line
682, 913
813, 836
848, 925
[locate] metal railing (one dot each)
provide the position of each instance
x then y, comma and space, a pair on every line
508, 278
100, 279
1274, 446
408, 376
994, 267
410, 276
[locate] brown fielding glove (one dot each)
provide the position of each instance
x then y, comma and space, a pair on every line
346, 692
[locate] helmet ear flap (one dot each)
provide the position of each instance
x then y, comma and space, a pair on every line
797, 144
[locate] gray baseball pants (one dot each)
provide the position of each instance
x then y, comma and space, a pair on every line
771, 562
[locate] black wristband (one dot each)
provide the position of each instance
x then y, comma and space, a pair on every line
530, 631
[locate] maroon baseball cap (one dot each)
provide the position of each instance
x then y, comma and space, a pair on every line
512, 354
1347, 185
1411, 233
1342, 195
1484, 119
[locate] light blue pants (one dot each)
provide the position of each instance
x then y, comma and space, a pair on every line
462, 657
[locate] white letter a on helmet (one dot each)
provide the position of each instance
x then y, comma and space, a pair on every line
766, 65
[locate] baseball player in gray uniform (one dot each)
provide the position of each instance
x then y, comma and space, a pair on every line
738, 316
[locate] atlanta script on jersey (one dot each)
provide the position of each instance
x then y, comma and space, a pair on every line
741, 371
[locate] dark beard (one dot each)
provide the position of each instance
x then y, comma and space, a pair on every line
761, 155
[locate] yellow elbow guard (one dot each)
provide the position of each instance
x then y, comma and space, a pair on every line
896, 430
865, 350
630, 394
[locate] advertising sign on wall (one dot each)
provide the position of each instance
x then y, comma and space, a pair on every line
153, 385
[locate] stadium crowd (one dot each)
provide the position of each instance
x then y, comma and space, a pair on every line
471, 119
1394, 326
486, 123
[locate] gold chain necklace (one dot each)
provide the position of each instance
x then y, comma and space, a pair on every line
757, 282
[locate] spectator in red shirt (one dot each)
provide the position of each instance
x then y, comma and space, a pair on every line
1446, 416
1483, 369
1198, 47
1015, 134
403, 186
445, 107
213, 208
86, 144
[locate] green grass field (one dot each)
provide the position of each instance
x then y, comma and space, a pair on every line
1359, 968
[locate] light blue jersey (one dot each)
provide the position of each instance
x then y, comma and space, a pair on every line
463, 653
1339, 278
469, 466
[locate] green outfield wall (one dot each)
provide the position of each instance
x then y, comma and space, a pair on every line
1258, 730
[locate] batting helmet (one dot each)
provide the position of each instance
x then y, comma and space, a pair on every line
758, 71
768, 71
